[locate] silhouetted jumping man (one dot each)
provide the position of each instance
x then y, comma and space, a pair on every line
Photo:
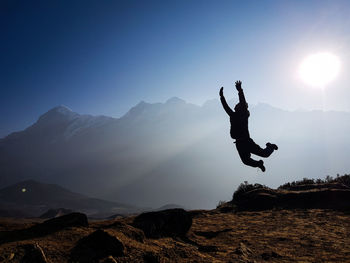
239, 131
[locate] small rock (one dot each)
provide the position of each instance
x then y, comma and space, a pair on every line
150, 257
207, 249
129, 231
269, 255
109, 259
212, 234
33, 254
96, 246
243, 250
245, 254
166, 223
227, 209
12, 255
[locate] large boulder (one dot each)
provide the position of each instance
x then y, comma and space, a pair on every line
47, 227
59, 223
33, 254
257, 200
27, 253
318, 198
96, 246
166, 223
303, 187
52, 213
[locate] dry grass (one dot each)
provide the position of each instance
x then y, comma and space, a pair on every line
274, 236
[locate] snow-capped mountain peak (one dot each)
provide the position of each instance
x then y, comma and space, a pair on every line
175, 100
58, 113
62, 109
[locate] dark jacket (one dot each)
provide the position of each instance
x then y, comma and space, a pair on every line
238, 119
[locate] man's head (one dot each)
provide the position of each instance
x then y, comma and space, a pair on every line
240, 107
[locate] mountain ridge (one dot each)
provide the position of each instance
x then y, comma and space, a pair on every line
178, 152
70, 114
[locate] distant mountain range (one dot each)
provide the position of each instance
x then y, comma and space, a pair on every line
31, 199
172, 152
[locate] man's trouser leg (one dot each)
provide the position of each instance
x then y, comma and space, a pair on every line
243, 148
257, 150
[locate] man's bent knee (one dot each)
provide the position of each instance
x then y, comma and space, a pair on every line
250, 162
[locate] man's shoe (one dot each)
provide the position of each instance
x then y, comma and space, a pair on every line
271, 145
261, 165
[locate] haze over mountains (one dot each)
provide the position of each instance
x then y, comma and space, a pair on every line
173, 152
32, 199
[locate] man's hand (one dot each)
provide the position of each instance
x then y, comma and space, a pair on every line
221, 92
238, 85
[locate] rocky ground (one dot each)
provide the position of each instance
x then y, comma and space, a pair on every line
220, 235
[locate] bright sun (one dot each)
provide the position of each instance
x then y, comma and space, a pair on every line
318, 69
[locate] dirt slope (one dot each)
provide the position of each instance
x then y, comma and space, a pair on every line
273, 235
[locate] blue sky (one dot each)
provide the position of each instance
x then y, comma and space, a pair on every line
103, 57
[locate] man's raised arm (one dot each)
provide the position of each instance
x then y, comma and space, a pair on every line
224, 103
242, 100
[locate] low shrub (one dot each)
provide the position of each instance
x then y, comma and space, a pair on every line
246, 187
344, 179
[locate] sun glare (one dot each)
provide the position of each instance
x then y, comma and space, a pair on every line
317, 70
